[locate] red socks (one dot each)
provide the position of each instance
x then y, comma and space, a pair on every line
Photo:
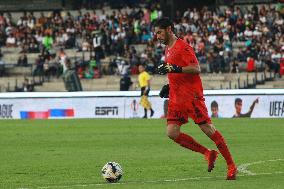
188, 142
222, 146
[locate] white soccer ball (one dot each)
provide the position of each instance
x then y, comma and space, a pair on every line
112, 172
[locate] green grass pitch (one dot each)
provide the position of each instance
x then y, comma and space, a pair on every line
52, 154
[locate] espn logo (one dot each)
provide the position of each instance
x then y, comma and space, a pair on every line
106, 110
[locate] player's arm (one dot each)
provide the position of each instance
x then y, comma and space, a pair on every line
188, 56
193, 69
172, 68
147, 87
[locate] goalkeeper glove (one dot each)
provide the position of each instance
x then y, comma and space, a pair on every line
168, 68
164, 93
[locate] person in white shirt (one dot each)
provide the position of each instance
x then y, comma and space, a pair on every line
11, 41
212, 38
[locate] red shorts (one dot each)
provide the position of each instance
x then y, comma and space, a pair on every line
194, 109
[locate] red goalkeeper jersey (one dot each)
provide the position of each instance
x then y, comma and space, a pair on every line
183, 86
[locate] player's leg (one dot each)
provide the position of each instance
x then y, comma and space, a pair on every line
212, 156
200, 116
224, 150
186, 141
148, 103
145, 113
175, 118
143, 102
152, 112
220, 142
147, 106
208, 128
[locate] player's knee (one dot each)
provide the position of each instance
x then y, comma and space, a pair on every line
172, 135
208, 129
173, 132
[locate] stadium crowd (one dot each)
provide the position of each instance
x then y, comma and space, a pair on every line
224, 39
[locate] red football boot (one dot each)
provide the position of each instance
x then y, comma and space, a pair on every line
211, 158
232, 172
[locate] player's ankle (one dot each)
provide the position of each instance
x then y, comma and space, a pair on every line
231, 165
207, 152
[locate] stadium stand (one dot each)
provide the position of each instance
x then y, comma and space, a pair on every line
111, 82
233, 44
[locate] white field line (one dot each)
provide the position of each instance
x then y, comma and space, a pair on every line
243, 168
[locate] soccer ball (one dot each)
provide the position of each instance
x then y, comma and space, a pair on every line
112, 172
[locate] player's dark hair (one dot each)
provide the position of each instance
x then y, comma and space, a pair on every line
163, 23
214, 104
237, 100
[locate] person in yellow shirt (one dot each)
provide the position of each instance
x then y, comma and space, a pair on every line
144, 83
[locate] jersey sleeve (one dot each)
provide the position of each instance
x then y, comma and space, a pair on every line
188, 56
147, 77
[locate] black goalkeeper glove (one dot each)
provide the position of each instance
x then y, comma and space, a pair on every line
164, 93
168, 68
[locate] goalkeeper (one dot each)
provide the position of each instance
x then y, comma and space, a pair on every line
144, 83
186, 97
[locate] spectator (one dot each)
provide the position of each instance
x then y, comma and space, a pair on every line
54, 67
11, 41
2, 39
28, 86
229, 30
89, 72
33, 46
235, 66
125, 82
2, 67
145, 37
241, 56
47, 41
38, 71
59, 39
122, 66
97, 44
41, 20
62, 59
22, 60
71, 79
70, 42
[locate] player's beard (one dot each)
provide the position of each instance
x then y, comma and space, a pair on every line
165, 41
162, 41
